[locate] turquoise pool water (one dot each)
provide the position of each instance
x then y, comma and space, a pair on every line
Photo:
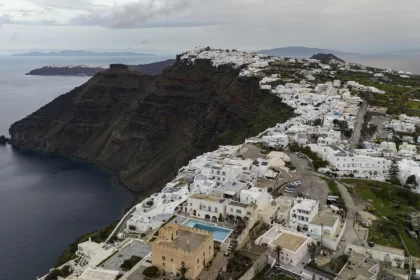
219, 234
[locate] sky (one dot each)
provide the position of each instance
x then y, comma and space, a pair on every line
173, 26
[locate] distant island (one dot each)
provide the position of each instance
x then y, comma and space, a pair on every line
82, 53
301, 52
327, 58
155, 68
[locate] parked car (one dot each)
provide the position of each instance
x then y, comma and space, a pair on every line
297, 183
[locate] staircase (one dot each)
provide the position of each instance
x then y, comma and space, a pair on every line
232, 245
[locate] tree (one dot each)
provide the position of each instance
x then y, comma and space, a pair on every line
150, 271
220, 217
317, 122
183, 270
278, 249
411, 181
394, 173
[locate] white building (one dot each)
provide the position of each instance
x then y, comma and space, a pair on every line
408, 168
407, 150
206, 206
276, 140
328, 228
302, 213
237, 209
294, 245
359, 267
259, 196
152, 212
93, 253
378, 252
359, 165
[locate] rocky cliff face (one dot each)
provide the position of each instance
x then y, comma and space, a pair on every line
146, 127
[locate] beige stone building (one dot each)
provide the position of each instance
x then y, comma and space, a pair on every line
177, 245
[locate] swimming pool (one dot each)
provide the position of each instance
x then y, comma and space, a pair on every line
219, 234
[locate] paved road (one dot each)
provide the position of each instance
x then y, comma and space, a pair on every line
411, 91
121, 224
358, 127
311, 185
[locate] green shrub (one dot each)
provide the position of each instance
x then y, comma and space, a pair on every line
130, 263
150, 271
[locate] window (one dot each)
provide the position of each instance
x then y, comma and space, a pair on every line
163, 264
231, 209
198, 260
172, 260
248, 213
163, 258
216, 209
238, 211
209, 208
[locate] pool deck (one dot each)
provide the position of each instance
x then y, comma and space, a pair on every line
207, 223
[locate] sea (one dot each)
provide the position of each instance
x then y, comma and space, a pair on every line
46, 202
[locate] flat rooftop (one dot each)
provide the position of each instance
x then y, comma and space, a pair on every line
207, 197
98, 274
358, 272
326, 218
187, 240
290, 242
239, 204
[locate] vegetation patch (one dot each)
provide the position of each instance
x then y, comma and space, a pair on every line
390, 204
317, 161
151, 271
130, 263
332, 186
96, 236
260, 275
55, 273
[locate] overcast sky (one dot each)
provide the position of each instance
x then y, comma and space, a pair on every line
178, 25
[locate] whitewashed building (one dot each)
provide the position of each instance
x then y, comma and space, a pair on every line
302, 213
294, 244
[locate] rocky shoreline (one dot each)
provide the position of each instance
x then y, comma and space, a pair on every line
3, 140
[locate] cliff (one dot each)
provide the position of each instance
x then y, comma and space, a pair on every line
155, 68
146, 127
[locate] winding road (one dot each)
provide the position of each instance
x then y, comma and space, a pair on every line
355, 139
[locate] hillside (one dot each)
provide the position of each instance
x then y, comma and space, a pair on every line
145, 127
154, 68
327, 58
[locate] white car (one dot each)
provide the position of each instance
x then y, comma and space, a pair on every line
297, 183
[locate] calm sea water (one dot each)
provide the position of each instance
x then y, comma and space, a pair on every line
47, 201
407, 63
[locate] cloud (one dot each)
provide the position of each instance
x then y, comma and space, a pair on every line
139, 12
78, 5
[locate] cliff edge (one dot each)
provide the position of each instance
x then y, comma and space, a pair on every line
146, 127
